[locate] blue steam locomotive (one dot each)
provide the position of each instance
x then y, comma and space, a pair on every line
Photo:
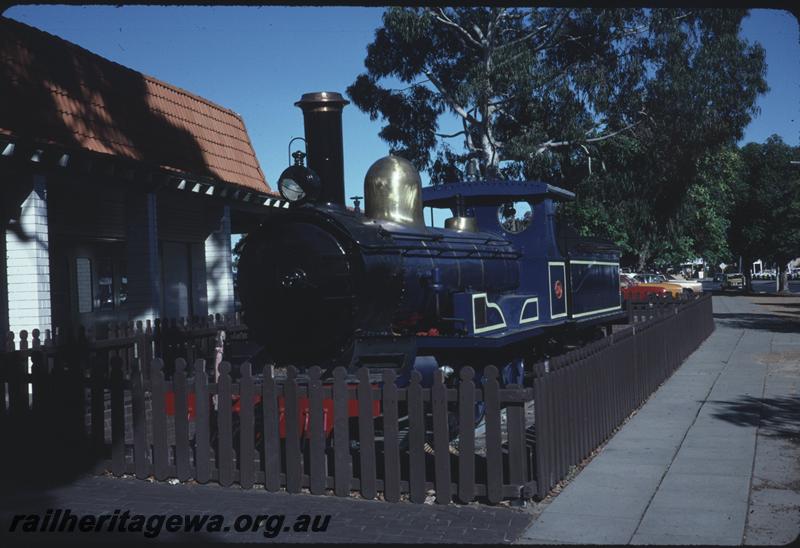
325, 285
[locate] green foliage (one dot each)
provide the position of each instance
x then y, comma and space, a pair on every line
708, 205
515, 78
765, 216
636, 110
236, 252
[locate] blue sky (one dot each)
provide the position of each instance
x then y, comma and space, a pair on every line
257, 61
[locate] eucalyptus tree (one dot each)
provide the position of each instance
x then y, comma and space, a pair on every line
765, 219
562, 94
520, 81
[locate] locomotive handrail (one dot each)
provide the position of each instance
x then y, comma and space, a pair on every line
437, 236
457, 254
420, 235
407, 250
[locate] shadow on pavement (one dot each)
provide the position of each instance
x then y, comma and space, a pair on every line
765, 322
777, 417
782, 308
759, 294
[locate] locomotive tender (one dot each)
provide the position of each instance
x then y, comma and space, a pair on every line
325, 285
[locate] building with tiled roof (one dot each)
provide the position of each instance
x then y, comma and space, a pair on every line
119, 192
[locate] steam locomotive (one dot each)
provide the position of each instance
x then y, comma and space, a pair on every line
322, 284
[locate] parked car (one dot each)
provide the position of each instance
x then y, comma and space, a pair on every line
632, 290
659, 280
734, 280
765, 275
692, 286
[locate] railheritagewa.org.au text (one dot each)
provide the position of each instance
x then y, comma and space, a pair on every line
65, 521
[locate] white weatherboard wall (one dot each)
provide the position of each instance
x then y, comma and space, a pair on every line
144, 269
199, 290
219, 266
3, 292
28, 264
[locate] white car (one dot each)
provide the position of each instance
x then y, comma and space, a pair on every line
692, 285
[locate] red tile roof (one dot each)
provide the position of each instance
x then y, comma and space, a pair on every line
54, 91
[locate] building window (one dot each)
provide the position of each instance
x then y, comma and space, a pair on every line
123, 282
105, 284
83, 270
101, 278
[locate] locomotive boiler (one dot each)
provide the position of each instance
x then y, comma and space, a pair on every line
325, 285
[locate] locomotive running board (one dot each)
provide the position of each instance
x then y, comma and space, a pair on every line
384, 352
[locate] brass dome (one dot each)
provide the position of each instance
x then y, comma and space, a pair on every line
462, 224
393, 191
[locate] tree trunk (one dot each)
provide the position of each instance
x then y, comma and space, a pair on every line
491, 158
642, 261
784, 277
748, 276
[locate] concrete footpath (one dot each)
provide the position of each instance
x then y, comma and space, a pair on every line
713, 457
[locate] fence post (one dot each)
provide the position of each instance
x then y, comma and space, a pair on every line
97, 382
224, 449
18, 385
117, 417
246, 427
182, 467
515, 428
141, 466
294, 463
316, 433
542, 441
159, 420
342, 464
466, 435
202, 436
366, 434
391, 444
271, 440
441, 438
416, 439
41, 386
494, 456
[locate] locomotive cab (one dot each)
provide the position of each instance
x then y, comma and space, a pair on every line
563, 279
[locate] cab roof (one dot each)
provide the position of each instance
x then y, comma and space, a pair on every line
491, 192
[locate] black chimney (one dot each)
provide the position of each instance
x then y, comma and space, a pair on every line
322, 115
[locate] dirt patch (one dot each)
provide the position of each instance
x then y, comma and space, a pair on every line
787, 357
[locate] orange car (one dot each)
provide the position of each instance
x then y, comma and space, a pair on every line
634, 290
658, 280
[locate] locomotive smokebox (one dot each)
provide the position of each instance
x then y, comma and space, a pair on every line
322, 115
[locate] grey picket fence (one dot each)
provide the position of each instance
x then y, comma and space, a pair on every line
289, 432
283, 430
167, 338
